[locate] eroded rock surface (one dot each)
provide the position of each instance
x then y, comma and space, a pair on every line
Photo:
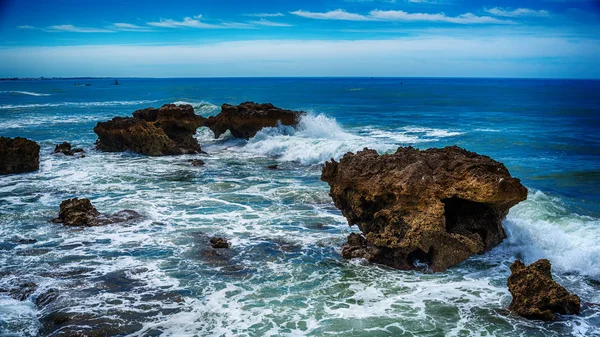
68, 150
536, 295
168, 130
81, 212
246, 119
18, 155
432, 208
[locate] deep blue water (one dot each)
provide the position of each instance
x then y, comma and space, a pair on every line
286, 276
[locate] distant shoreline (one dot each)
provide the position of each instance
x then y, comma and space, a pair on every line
295, 77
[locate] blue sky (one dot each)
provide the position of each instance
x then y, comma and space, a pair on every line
488, 38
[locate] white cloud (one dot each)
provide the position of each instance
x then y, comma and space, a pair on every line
128, 27
265, 15
338, 14
393, 15
190, 22
26, 27
427, 55
519, 12
194, 22
75, 29
268, 23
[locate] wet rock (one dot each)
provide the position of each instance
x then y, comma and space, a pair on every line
273, 167
536, 295
27, 241
78, 212
434, 207
21, 291
81, 212
18, 155
66, 149
246, 119
217, 242
168, 130
46, 298
63, 323
196, 162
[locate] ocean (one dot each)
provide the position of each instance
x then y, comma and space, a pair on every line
284, 275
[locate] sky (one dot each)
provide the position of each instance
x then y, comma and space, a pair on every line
241, 38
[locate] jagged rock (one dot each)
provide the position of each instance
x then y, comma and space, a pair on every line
18, 155
536, 295
168, 130
432, 208
78, 212
66, 149
197, 162
81, 212
273, 167
217, 242
246, 119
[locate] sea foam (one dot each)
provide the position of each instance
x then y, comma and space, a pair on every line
28, 93
542, 227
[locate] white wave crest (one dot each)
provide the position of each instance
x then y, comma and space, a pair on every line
75, 104
28, 93
318, 138
542, 228
202, 107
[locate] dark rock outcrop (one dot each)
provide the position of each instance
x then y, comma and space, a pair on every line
168, 130
18, 155
431, 208
66, 149
21, 291
197, 162
246, 119
273, 167
81, 212
536, 295
217, 242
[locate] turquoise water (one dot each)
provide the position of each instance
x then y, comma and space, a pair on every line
284, 274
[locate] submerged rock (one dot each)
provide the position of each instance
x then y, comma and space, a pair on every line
168, 130
197, 162
273, 167
81, 212
536, 295
246, 119
66, 149
217, 242
18, 155
431, 208
21, 291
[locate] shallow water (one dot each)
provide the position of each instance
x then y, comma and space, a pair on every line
284, 274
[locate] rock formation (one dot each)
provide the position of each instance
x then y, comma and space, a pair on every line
431, 208
168, 130
246, 119
18, 155
81, 212
536, 295
217, 242
66, 149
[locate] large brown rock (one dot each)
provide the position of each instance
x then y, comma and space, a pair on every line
536, 295
81, 212
431, 208
246, 119
18, 155
168, 130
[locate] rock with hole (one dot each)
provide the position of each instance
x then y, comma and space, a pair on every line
422, 209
